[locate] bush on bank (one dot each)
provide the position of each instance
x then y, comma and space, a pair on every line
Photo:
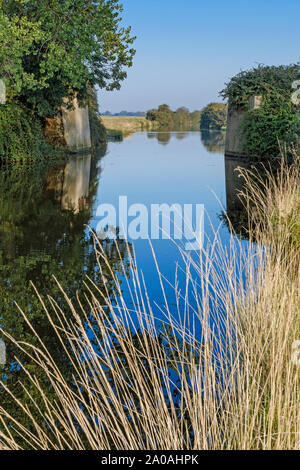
21, 135
214, 116
26, 138
277, 119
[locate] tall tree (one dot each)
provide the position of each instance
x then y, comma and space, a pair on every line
51, 49
214, 116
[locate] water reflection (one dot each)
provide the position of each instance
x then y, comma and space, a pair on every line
234, 183
181, 135
164, 137
43, 217
44, 211
236, 211
70, 183
213, 141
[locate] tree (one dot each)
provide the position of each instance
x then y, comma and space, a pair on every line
165, 116
51, 49
182, 117
152, 115
214, 116
195, 117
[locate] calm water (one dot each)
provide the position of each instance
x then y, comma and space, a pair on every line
170, 168
156, 168
44, 213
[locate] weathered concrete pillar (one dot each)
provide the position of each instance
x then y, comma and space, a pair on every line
234, 138
234, 134
77, 130
70, 128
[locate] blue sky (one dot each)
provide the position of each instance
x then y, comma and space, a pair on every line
187, 50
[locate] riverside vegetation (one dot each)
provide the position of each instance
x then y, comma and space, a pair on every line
118, 126
43, 62
165, 118
161, 119
277, 119
212, 117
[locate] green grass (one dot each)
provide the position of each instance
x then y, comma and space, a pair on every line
127, 124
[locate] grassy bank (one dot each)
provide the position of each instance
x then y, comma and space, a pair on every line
236, 387
127, 124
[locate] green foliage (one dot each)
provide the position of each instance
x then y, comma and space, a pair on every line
164, 116
51, 49
114, 134
195, 117
261, 80
277, 120
180, 119
21, 136
214, 116
274, 123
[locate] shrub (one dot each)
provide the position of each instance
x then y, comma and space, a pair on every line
214, 116
277, 119
21, 135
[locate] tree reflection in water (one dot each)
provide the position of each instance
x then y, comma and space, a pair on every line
43, 217
213, 141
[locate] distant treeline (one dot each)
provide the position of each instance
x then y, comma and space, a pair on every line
213, 116
166, 118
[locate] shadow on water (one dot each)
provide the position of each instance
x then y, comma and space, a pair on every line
235, 217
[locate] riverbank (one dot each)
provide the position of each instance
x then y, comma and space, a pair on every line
126, 125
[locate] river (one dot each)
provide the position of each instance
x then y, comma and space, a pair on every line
45, 214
